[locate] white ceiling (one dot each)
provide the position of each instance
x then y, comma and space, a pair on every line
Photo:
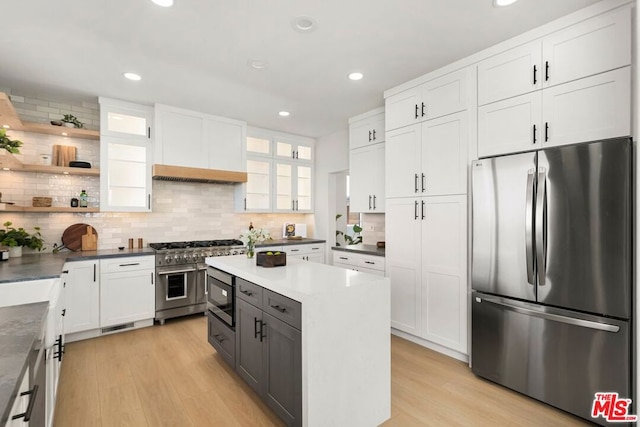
194, 55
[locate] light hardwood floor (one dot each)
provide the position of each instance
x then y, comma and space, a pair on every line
170, 376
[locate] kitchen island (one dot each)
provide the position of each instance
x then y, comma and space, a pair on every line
345, 337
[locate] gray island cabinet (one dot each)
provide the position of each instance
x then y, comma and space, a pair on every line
312, 340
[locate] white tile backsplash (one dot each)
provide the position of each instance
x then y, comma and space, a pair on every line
377, 221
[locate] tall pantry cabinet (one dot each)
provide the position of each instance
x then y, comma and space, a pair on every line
426, 211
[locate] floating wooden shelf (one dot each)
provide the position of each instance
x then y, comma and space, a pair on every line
14, 208
9, 162
8, 116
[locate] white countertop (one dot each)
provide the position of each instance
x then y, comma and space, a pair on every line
299, 280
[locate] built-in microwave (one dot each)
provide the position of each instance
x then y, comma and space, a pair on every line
221, 295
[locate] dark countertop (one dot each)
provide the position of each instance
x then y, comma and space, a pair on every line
287, 242
20, 326
48, 265
361, 249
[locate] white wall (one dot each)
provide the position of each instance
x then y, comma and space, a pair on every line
636, 134
332, 155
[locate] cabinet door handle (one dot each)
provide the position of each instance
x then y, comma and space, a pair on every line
95, 266
262, 334
422, 209
152, 278
546, 71
149, 132
247, 293
535, 74
149, 201
245, 203
296, 205
374, 134
255, 327
423, 109
32, 401
415, 210
416, 111
280, 309
293, 154
297, 152
374, 202
293, 206
64, 312
423, 183
415, 182
534, 134
369, 202
546, 131
369, 136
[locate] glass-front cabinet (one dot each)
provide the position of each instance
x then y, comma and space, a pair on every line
280, 173
126, 156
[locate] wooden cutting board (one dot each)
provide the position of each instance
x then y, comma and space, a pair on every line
72, 236
63, 154
90, 240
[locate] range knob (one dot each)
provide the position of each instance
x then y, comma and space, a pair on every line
168, 259
186, 256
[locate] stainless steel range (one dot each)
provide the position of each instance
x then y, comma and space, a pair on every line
181, 274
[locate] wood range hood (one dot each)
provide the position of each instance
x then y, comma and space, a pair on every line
187, 174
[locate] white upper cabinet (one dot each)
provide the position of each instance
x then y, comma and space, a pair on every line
592, 108
367, 129
427, 159
514, 72
590, 47
126, 152
366, 179
192, 139
180, 137
511, 125
125, 120
436, 98
279, 173
588, 109
593, 46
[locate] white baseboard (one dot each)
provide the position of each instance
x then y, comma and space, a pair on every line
431, 345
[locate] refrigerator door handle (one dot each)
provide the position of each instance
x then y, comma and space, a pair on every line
541, 211
529, 226
550, 316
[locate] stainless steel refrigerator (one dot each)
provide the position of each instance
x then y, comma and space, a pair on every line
552, 271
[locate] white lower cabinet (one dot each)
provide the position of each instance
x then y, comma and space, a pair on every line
313, 252
127, 290
20, 404
82, 296
425, 259
365, 263
108, 292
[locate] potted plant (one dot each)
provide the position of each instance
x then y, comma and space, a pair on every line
349, 240
11, 145
18, 238
72, 121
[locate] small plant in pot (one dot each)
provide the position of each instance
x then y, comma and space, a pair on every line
17, 238
72, 121
11, 145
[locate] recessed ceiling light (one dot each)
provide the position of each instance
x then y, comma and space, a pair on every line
132, 76
257, 64
304, 24
283, 114
500, 3
163, 3
356, 76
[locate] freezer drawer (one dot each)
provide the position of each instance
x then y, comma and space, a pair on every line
557, 356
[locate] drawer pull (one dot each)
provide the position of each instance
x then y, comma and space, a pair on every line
369, 262
130, 264
32, 400
219, 338
280, 309
247, 293
344, 257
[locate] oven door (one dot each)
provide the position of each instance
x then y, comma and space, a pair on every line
221, 295
175, 287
